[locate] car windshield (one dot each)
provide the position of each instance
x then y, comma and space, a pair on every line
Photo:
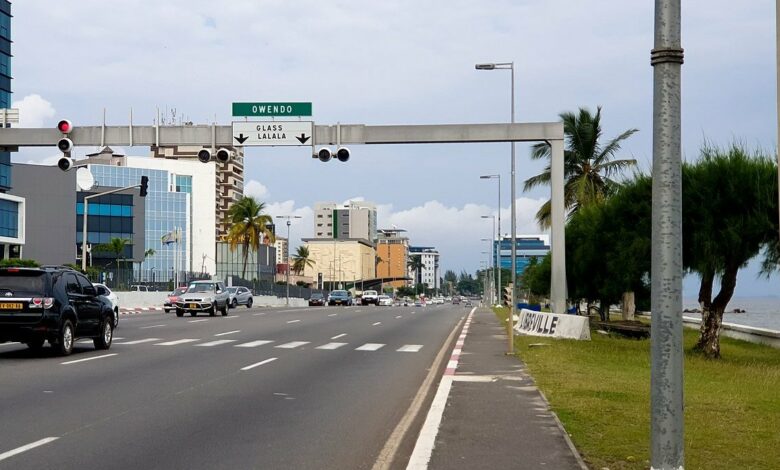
202, 287
316, 296
179, 291
339, 293
232, 290
18, 282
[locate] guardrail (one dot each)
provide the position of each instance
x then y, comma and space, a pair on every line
732, 330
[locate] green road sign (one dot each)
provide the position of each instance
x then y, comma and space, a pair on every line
270, 109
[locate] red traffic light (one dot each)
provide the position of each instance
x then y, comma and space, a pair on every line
64, 126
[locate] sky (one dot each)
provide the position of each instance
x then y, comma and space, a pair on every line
398, 62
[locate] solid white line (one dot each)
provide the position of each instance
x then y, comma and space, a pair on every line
258, 364
217, 342
253, 344
410, 348
331, 346
228, 333
292, 345
333, 314
377, 323
139, 341
370, 347
258, 314
27, 447
424, 447
293, 321
198, 321
116, 338
147, 327
11, 343
339, 336
178, 341
399, 316
89, 358
230, 317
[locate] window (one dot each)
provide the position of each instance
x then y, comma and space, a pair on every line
72, 284
83, 282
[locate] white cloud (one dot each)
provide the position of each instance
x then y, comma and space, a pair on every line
34, 111
255, 189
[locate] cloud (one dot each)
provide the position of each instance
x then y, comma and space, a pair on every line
34, 111
255, 189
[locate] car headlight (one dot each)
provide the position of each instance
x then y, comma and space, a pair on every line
209, 299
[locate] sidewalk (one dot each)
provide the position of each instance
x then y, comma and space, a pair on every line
495, 417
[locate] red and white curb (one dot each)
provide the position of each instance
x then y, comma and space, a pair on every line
127, 311
425, 441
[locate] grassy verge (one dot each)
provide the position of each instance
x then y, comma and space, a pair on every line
600, 390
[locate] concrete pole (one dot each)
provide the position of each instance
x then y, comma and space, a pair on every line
287, 302
511, 336
498, 259
558, 220
84, 236
666, 377
777, 80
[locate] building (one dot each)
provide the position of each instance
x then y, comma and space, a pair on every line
392, 248
12, 208
340, 262
528, 247
429, 274
355, 220
229, 180
282, 247
260, 264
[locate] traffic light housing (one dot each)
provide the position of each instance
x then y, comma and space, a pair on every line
204, 155
144, 186
223, 155
324, 154
65, 145
65, 163
342, 154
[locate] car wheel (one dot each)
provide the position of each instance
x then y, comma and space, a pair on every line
225, 309
106, 335
116, 318
36, 344
193, 313
213, 310
234, 304
64, 345
249, 303
179, 312
167, 310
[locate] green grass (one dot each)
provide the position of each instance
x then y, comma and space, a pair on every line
600, 390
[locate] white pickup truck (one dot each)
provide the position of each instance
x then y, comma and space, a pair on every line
369, 297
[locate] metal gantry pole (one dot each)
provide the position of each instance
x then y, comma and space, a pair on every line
514, 231
498, 252
288, 262
777, 80
666, 378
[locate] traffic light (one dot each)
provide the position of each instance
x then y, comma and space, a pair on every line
223, 155
324, 154
204, 155
144, 186
342, 154
65, 145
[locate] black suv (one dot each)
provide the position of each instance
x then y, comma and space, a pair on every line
55, 304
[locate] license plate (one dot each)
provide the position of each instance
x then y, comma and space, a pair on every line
193, 305
10, 306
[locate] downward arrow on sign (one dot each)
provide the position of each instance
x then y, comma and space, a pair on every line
302, 138
241, 139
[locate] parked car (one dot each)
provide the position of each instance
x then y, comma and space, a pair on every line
240, 296
316, 299
340, 297
170, 301
385, 300
141, 288
58, 305
104, 291
369, 297
203, 296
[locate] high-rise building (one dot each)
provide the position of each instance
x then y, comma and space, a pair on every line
12, 208
282, 248
229, 180
392, 248
528, 247
340, 262
429, 273
355, 220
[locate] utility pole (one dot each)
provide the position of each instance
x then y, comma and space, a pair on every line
666, 377
288, 217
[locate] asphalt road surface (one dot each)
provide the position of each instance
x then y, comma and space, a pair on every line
261, 388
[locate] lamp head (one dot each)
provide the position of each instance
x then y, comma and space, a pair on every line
485, 66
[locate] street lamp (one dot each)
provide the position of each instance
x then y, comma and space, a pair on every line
498, 264
288, 217
511, 67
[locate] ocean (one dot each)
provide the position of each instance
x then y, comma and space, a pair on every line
761, 312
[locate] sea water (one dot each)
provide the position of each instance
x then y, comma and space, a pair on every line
760, 312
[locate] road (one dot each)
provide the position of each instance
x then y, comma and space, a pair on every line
261, 388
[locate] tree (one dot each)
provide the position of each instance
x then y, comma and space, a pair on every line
147, 253
249, 227
302, 260
416, 264
589, 166
18, 263
115, 246
730, 216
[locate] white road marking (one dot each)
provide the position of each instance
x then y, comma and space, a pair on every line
399, 316
370, 347
410, 348
377, 323
259, 364
198, 321
292, 345
339, 336
293, 321
89, 358
178, 341
27, 447
331, 346
116, 338
358, 311
421, 455
230, 317
139, 341
152, 326
10, 344
258, 314
217, 342
333, 314
228, 333
253, 344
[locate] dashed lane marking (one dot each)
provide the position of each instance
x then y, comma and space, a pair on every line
178, 341
331, 346
370, 347
89, 359
139, 341
27, 447
292, 344
253, 344
259, 364
217, 342
377, 323
339, 336
293, 321
228, 333
410, 348
151, 326
198, 321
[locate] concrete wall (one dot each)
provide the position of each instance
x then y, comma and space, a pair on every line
354, 260
156, 299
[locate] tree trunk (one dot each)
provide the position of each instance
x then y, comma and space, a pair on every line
628, 306
705, 302
712, 317
246, 254
604, 307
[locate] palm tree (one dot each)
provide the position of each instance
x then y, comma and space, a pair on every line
301, 260
588, 166
249, 227
416, 263
115, 246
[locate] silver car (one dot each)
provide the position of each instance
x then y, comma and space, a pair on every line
240, 296
203, 296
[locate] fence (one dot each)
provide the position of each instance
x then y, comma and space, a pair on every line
270, 288
125, 279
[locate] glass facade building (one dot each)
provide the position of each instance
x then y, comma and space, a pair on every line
528, 247
167, 207
5, 85
109, 216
